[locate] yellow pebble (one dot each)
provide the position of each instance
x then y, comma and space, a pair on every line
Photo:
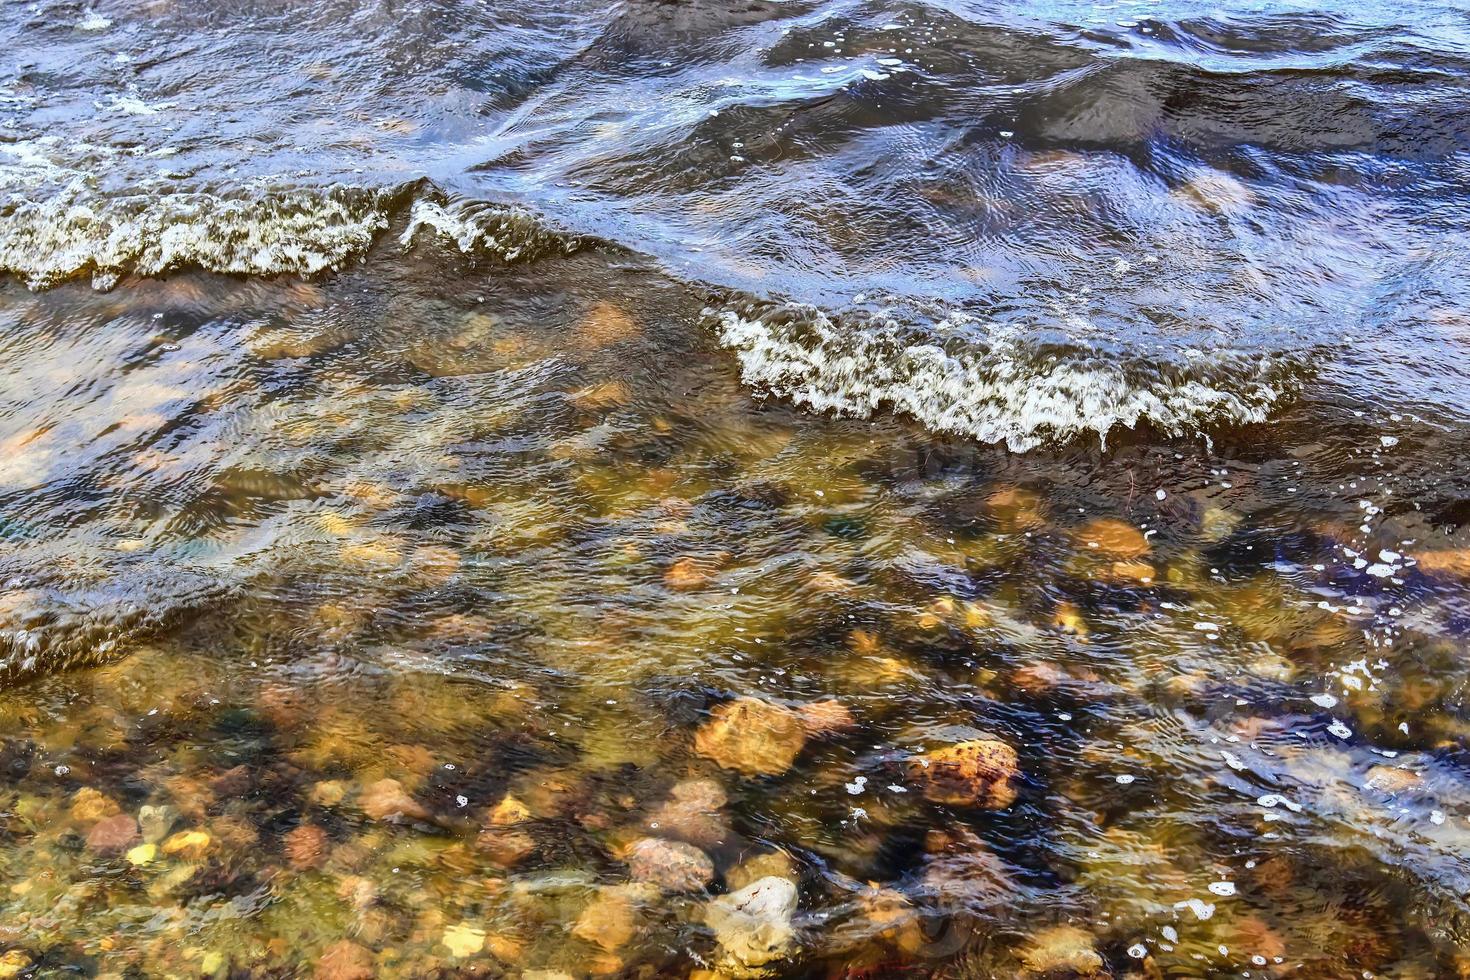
464, 940
187, 844
143, 854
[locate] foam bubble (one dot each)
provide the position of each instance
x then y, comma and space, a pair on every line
76, 233
957, 376
477, 226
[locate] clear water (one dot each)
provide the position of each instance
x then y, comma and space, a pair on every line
483, 486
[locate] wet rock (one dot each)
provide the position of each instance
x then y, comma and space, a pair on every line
772, 864
611, 920
826, 717
1068, 619
143, 854
1113, 539
688, 574
1454, 562
357, 891
1016, 509
14, 963
752, 736
328, 792
606, 324
188, 845
156, 821
693, 813
306, 847
113, 835
671, 865
753, 926
978, 773
388, 801
345, 960
1063, 952
1392, 780
1130, 572
506, 846
88, 806
463, 940
602, 396
509, 812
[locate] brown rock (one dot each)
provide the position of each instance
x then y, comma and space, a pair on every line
1113, 539
231, 782
89, 806
506, 846
610, 921
1446, 561
387, 800
975, 773
693, 813
752, 736
826, 717
1016, 509
606, 324
306, 847
1063, 951
672, 865
509, 812
602, 397
345, 960
1392, 780
189, 845
686, 574
113, 835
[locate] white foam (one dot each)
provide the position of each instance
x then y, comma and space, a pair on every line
479, 227
76, 233
994, 389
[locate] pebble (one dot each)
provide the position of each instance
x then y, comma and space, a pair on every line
345, 960
752, 736
1113, 538
189, 845
974, 773
463, 940
388, 801
1063, 951
673, 866
114, 835
305, 847
753, 925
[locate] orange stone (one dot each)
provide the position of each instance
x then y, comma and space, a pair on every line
1114, 539
979, 773
752, 736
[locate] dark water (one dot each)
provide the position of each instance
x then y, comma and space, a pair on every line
526, 490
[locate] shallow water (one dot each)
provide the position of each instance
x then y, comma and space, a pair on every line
482, 487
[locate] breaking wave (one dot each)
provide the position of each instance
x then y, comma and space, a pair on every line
968, 378
77, 234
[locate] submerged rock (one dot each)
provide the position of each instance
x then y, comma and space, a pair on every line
672, 865
753, 926
388, 801
693, 813
611, 920
1113, 539
1064, 952
114, 835
979, 773
752, 736
88, 806
345, 960
190, 845
826, 717
305, 847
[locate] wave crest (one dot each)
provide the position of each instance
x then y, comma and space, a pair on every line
480, 227
993, 387
75, 234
